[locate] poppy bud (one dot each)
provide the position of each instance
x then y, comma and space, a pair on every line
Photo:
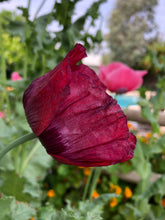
75, 119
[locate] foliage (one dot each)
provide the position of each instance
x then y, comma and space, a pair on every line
131, 28
154, 62
43, 49
32, 185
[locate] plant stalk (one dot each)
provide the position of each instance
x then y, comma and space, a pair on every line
17, 142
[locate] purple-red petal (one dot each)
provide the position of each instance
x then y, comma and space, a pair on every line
75, 119
90, 128
45, 94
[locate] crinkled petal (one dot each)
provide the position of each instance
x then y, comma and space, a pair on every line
44, 96
89, 129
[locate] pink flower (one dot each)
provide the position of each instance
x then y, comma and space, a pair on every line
75, 119
120, 78
15, 76
2, 115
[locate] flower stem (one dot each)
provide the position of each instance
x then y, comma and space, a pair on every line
42, 3
87, 185
17, 142
30, 156
94, 181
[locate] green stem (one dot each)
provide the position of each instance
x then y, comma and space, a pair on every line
42, 3
17, 142
4, 76
48, 21
34, 62
94, 181
43, 64
29, 2
26, 58
87, 185
30, 156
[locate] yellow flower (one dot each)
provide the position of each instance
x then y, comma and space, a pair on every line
115, 188
95, 194
51, 193
113, 202
127, 192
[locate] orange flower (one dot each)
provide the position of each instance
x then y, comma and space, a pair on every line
113, 202
8, 88
127, 192
95, 194
51, 193
87, 171
163, 202
115, 188
148, 135
144, 140
130, 126
32, 218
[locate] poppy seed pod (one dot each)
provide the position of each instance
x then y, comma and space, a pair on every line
75, 119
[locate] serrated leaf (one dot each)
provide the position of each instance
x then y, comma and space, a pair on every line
47, 213
5, 203
156, 188
21, 211
10, 209
144, 167
13, 185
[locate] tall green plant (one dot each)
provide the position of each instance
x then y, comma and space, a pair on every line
43, 49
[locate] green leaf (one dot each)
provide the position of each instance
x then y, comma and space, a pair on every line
17, 28
5, 203
21, 211
156, 188
13, 185
10, 209
144, 167
47, 213
147, 114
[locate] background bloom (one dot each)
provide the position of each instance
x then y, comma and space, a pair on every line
127, 192
120, 78
51, 193
113, 202
2, 115
74, 118
15, 76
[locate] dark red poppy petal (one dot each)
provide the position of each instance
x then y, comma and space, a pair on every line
44, 96
89, 128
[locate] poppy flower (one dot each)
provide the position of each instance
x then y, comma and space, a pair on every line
2, 115
120, 78
15, 76
75, 119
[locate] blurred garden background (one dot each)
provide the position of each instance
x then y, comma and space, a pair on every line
34, 37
